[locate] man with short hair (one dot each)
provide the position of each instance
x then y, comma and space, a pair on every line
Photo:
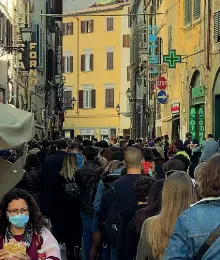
209, 148
124, 196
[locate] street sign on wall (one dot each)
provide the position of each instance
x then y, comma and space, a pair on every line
162, 97
162, 83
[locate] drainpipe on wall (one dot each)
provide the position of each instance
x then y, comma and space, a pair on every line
78, 67
208, 34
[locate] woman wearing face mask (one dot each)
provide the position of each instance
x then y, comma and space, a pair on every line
22, 221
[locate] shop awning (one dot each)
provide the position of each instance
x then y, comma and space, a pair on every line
167, 119
16, 126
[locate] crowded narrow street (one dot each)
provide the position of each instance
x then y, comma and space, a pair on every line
109, 129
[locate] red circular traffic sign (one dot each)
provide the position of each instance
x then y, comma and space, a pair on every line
162, 83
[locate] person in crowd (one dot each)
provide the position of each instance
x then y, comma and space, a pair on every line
86, 142
53, 149
157, 164
34, 148
141, 190
111, 175
158, 146
87, 179
67, 224
166, 146
197, 172
172, 166
201, 219
43, 153
123, 199
130, 143
22, 221
178, 194
188, 144
49, 180
181, 153
147, 164
107, 154
209, 148
79, 139
31, 179
117, 156
94, 141
77, 148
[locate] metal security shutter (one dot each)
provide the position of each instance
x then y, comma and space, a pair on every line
196, 9
187, 12
170, 37
217, 26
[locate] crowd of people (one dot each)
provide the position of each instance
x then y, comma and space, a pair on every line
116, 200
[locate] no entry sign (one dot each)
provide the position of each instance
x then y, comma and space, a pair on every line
162, 83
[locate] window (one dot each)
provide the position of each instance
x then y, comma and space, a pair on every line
109, 96
87, 26
110, 24
170, 37
68, 99
126, 41
87, 61
187, 12
87, 97
67, 28
217, 26
68, 64
110, 60
196, 10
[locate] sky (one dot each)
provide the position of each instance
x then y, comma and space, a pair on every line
73, 5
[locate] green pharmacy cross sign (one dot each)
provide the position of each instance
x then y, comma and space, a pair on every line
172, 59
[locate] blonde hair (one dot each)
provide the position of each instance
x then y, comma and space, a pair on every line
69, 166
178, 194
112, 166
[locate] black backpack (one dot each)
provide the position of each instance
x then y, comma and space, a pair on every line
109, 181
112, 225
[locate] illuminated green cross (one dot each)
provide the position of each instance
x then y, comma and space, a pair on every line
172, 59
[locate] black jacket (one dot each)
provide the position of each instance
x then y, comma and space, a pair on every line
87, 179
49, 196
43, 155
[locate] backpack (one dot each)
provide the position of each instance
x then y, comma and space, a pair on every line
112, 225
71, 190
109, 181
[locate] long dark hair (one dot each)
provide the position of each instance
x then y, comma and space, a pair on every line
153, 205
36, 221
32, 161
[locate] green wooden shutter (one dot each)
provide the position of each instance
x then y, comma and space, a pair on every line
196, 9
187, 12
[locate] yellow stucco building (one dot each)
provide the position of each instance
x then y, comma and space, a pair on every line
190, 107
96, 58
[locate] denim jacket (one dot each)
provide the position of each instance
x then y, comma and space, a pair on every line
192, 229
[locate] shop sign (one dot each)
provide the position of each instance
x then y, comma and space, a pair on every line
153, 55
192, 122
198, 92
87, 132
201, 124
59, 60
175, 108
172, 59
104, 132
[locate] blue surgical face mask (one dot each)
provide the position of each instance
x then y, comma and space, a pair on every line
150, 172
19, 221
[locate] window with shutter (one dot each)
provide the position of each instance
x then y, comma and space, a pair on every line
217, 26
109, 97
63, 29
68, 99
110, 24
187, 12
170, 37
68, 64
81, 99
87, 98
93, 98
87, 26
71, 63
196, 9
91, 62
83, 62
126, 41
110, 60
69, 28
129, 17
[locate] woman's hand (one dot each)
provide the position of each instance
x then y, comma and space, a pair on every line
20, 257
3, 255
